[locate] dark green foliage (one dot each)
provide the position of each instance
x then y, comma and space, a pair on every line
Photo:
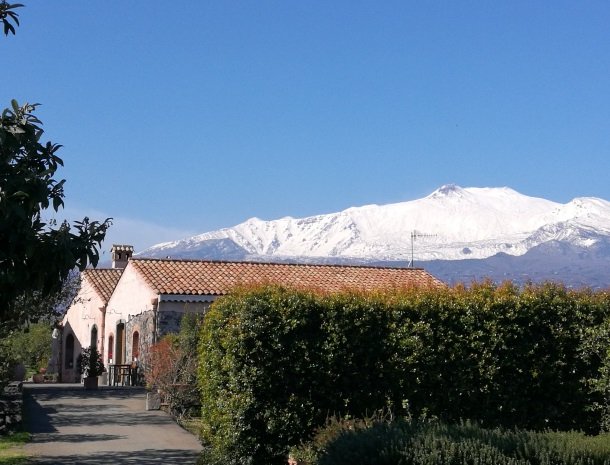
35, 258
185, 400
275, 363
31, 346
501, 355
9, 16
89, 362
365, 442
261, 375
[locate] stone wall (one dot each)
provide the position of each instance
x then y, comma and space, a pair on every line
144, 323
168, 321
11, 406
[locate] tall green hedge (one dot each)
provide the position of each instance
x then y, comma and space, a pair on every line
275, 363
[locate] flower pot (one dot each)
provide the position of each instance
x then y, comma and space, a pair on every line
90, 382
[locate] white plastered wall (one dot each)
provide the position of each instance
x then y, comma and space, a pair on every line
132, 296
84, 313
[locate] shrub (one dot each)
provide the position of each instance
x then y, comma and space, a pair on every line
171, 368
261, 375
31, 346
7, 364
381, 442
275, 363
89, 362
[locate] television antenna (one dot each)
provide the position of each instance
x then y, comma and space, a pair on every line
416, 235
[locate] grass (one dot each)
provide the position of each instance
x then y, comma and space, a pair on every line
192, 425
11, 449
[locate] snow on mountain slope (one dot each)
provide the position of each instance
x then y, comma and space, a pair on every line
453, 223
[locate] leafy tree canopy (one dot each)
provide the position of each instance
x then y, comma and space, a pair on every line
35, 257
9, 16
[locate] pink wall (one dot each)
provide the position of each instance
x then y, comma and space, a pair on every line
131, 297
82, 316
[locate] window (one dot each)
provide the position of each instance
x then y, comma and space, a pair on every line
69, 362
135, 345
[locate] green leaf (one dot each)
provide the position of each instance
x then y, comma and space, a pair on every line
57, 202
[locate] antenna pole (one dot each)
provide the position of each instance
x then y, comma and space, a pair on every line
412, 240
415, 235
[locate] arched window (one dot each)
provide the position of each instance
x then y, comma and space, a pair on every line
135, 345
69, 361
94, 336
110, 346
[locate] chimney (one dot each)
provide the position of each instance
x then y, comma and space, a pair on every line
121, 255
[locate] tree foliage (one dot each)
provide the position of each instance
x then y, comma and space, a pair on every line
35, 257
31, 346
8, 16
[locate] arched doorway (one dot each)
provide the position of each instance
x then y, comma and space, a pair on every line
69, 358
120, 343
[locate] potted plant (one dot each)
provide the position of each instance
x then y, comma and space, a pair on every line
91, 366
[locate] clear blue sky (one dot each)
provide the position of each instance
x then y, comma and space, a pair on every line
184, 117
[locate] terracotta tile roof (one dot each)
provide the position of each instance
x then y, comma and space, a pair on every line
195, 277
103, 281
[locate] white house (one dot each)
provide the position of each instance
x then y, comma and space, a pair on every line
124, 311
84, 323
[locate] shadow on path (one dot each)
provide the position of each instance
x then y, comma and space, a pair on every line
77, 438
149, 456
72, 426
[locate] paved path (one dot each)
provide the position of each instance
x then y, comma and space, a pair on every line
72, 426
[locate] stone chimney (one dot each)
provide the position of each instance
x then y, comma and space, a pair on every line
121, 255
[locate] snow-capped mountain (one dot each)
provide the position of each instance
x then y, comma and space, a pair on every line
451, 224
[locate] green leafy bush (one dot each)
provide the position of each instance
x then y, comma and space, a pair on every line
275, 363
365, 442
31, 346
261, 375
89, 362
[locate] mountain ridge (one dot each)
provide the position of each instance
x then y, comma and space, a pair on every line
451, 224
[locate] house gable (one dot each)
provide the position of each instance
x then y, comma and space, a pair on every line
103, 281
83, 323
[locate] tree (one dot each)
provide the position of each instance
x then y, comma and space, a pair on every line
35, 257
32, 346
51, 308
7, 15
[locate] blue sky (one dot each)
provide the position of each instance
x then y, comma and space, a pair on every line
183, 117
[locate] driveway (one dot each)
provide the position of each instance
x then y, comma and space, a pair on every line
72, 426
